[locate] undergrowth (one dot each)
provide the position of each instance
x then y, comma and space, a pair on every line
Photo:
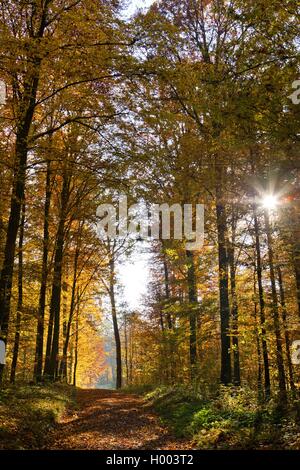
231, 419
29, 413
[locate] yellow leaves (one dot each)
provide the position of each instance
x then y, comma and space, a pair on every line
172, 253
258, 117
91, 355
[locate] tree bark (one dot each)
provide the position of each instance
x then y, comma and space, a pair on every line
115, 322
126, 348
234, 324
76, 341
258, 347
223, 278
167, 290
38, 366
26, 111
20, 299
63, 365
48, 344
267, 381
234, 309
285, 328
275, 311
295, 223
193, 304
51, 364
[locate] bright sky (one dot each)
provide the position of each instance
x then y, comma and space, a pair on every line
138, 4
134, 276
134, 272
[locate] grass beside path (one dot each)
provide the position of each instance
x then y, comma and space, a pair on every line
231, 419
28, 413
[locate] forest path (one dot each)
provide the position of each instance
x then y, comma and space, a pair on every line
112, 420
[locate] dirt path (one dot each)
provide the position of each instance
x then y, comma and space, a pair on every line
110, 420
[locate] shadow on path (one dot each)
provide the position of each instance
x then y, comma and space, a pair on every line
112, 420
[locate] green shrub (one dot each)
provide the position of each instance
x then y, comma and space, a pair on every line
230, 419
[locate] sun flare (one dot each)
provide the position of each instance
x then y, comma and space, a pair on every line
270, 201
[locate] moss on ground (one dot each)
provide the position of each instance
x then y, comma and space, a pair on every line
28, 414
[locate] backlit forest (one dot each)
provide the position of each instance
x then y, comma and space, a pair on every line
184, 102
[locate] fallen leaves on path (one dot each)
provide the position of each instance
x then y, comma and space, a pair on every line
111, 420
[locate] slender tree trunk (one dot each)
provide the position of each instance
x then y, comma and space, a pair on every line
20, 299
52, 361
235, 333
76, 341
234, 310
38, 367
167, 290
168, 338
131, 357
63, 366
258, 348
70, 364
275, 311
115, 322
55, 302
62, 362
193, 301
126, 349
285, 327
49, 343
161, 319
267, 381
223, 278
295, 222
297, 277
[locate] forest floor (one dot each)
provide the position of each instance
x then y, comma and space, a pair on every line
29, 414
111, 420
60, 417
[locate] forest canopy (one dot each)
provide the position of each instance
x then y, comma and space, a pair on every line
186, 102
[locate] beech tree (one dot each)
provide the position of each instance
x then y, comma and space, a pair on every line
186, 103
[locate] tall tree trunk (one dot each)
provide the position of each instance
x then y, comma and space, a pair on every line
63, 366
258, 348
267, 381
49, 344
126, 349
70, 364
20, 299
52, 361
76, 341
17, 197
223, 278
38, 366
169, 345
25, 110
234, 309
193, 301
167, 290
295, 222
285, 328
275, 311
131, 356
161, 318
115, 321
